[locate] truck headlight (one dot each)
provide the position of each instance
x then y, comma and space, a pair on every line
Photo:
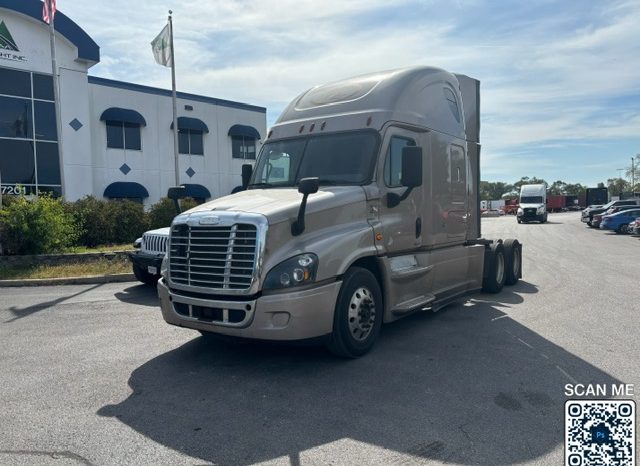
541, 210
520, 211
296, 271
164, 267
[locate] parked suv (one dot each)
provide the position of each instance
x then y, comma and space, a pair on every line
589, 212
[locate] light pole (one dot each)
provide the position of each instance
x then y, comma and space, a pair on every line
633, 173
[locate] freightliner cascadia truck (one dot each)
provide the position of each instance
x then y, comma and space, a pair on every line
362, 208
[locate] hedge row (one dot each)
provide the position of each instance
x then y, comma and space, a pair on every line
48, 225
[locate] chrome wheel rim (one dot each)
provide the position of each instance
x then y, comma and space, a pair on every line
362, 313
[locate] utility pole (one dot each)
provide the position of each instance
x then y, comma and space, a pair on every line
633, 173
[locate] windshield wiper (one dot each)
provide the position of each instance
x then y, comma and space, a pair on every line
260, 185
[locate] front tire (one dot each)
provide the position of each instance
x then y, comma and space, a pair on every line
358, 314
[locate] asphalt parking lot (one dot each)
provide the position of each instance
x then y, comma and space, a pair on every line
90, 374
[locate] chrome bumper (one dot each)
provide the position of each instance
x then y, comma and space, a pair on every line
296, 315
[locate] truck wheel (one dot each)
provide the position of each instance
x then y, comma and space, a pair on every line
544, 218
512, 261
144, 276
519, 220
358, 314
494, 269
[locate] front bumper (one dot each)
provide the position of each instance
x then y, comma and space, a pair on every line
296, 315
144, 260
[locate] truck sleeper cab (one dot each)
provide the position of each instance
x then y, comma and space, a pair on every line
363, 207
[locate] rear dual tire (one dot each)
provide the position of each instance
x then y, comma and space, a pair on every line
502, 265
494, 269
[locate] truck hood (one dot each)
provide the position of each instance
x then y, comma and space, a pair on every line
529, 206
164, 231
282, 204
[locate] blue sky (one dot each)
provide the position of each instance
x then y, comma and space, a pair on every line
560, 80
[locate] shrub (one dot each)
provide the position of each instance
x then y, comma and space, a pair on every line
128, 220
161, 213
94, 225
39, 226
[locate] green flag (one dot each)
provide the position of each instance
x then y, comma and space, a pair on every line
161, 47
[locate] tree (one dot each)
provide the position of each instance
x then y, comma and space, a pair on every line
617, 186
490, 191
633, 173
527, 180
576, 189
557, 188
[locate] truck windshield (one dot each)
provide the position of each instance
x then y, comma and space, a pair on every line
336, 159
531, 200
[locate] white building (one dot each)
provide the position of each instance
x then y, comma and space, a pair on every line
117, 137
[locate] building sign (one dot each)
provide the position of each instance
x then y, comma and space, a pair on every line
8, 48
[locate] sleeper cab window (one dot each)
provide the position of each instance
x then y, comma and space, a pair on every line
453, 104
393, 161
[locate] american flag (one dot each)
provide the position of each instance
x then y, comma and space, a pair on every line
48, 10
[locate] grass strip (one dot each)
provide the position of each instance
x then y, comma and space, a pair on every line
85, 268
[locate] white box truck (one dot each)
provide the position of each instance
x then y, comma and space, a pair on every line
362, 208
533, 203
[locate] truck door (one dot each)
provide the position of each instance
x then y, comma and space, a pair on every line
457, 208
401, 224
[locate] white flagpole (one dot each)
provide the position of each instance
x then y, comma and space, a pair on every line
56, 94
175, 105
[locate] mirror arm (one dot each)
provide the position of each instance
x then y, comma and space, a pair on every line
297, 227
177, 206
394, 199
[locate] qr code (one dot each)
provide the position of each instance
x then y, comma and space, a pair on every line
600, 433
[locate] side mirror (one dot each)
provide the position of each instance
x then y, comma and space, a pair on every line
411, 174
411, 166
306, 186
247, 171
177, 192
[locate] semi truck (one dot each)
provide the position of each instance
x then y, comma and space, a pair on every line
533, 203
363, 207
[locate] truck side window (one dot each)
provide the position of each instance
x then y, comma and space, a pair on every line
393, 161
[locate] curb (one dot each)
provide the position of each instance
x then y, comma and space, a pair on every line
114, 278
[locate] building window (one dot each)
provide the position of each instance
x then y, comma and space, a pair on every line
29, 159
190, 141
243, 147
123, 135
393, 162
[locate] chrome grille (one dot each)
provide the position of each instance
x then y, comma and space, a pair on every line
154, 243
214, 257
